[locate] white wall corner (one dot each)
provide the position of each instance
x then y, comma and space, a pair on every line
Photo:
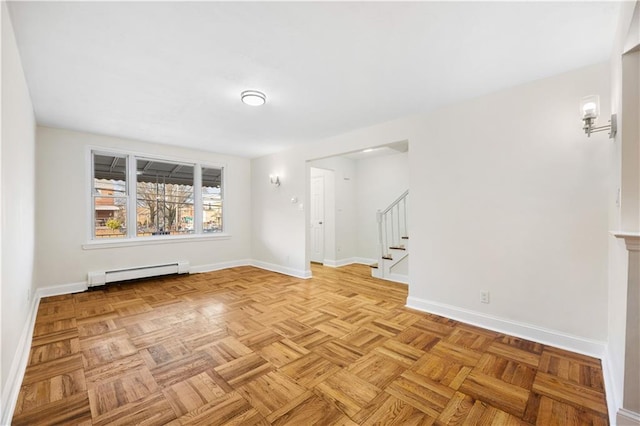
532, 332
19, 365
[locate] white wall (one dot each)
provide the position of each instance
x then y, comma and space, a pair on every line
276, 221
18, 201
508, 195
63, 201
381, 180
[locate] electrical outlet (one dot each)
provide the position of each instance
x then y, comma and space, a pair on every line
484, 296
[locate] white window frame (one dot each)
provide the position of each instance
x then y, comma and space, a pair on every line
131, 238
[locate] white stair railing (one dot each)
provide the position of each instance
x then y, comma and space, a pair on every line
392, 224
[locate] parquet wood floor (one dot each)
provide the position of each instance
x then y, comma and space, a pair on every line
246, 346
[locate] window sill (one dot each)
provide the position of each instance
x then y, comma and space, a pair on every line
145, 241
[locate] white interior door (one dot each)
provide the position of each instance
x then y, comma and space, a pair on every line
317, 219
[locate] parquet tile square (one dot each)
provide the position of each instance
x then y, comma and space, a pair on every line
290, 327
386, 409
456, 353
336, 328
311, 338
182, 368
271, 391
531, 359
57, 345
244, 369
429, 397
310, 370
555, 413
508, 371
245, 346
151, 410
193, 393
468, 339
418, 338
569, 392
105, 396
314, 410
347, 392
105, 348
91, 327
442, 370
283, 352
71, 410
47, 390
500, 394
231, 409
376, 369
164, 352
226, 349
45, 328
399, 352
259, 339
364, 339
575, 368
339, 352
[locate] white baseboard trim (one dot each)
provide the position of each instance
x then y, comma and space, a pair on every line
58, 290
219, 266
364, 260
614, 401
399, 278
19, 365
626, 418
348, 261
532, 332
281, 269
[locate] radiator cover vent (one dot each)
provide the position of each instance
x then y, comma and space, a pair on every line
97, 278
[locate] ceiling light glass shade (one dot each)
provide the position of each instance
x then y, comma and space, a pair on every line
253, 97
590, 107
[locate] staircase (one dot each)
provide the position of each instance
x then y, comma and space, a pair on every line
393, 236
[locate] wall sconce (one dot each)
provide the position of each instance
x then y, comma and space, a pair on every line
275, 180
590, 109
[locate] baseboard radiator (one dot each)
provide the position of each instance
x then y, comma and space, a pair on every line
98, 278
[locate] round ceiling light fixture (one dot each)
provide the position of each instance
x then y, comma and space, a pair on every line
253, 97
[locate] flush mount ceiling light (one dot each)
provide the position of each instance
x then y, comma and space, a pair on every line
253, 97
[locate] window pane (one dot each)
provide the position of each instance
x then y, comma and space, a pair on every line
164, 198
212, 199
109, 174
109, 196
110, 217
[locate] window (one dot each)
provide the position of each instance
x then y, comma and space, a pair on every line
162, 197
212, 199
109, 196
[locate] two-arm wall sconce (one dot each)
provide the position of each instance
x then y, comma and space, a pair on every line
590, 109
275, 180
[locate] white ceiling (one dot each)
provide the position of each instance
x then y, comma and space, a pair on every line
172, 72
